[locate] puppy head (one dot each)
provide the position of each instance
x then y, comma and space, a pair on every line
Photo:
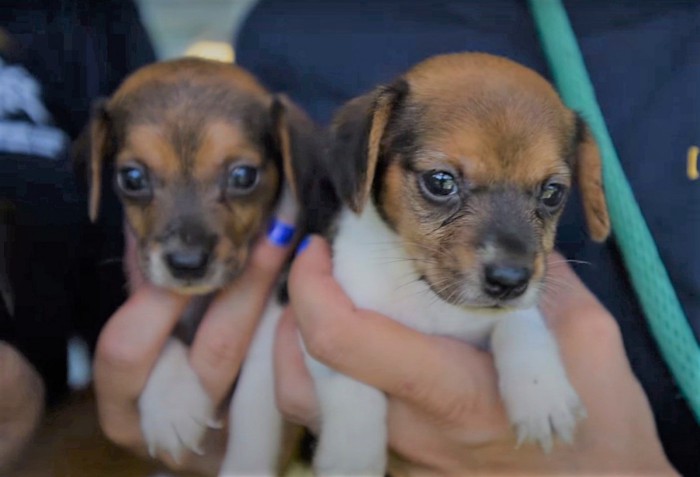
469, 158
199, 150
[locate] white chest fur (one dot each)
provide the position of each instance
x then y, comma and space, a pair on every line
372, 267
375, 271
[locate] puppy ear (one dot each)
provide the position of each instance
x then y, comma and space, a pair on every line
97, 142
299, 141
303, 146
356, 137
590, 180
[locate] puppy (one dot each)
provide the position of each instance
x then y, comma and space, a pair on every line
453, 179
200, 152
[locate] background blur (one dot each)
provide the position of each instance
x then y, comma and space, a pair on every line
201, 27
70, 443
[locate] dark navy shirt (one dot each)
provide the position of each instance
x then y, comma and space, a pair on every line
65, 273
644, 60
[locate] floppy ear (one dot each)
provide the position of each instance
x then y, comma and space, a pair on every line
303, 146
590, 180
88, 153
356, 137
97, 141
298, 141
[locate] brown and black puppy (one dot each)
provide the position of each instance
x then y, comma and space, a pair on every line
453, 179
200, 152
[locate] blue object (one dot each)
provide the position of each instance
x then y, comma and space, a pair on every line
279, 233
303, 244
647, 271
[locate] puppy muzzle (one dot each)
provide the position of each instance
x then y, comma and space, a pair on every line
189, 263
506, 281
185, 258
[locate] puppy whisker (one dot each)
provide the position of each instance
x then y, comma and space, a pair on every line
406, 259
552, 285
407, 283
570, 260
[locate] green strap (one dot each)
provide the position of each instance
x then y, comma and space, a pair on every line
663, 311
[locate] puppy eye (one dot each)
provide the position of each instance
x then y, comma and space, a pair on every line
552, 195
439, 184
133, 181
242, 179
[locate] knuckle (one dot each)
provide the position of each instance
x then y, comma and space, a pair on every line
120, 435
266, 265
220, 350
291, 406
119, 355
599, 329
324, 344
450, 410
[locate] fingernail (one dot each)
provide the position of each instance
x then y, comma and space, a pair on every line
303, 244
279, 233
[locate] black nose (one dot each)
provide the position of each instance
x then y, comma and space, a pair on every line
503, 281
188, 263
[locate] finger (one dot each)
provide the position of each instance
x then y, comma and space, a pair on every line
577, 317
134, 336
223, 337
294, 388
132, 271
440, 375
565, 293
581, 323
127, 350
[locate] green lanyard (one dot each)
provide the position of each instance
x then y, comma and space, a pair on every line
652, 284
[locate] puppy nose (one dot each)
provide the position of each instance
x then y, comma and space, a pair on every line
188, 264
504, 281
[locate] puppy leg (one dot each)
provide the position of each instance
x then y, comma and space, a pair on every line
175, 409
255, 424
353, 435
535, 389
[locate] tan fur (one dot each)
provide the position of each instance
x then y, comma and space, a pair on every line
98, 134
500, 128
380, 118
589, 171
188, 121
193, 68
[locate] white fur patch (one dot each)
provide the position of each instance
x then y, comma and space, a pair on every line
255, 424
539, 399
174, 407
370, 264
374, 270
353, 435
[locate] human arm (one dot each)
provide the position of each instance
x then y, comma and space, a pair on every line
134, 336
445, 415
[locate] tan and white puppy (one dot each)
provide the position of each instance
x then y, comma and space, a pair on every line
200, 152
453, 179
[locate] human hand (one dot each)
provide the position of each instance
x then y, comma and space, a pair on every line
133, 338
445, 414
21, 404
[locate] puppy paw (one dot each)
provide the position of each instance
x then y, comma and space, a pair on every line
175, 409
542, 406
